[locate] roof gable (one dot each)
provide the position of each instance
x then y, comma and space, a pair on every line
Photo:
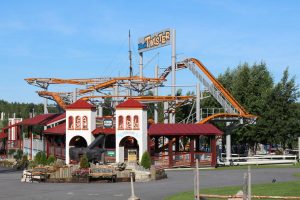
131, 103
80, 104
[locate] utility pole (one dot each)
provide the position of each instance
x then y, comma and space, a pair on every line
130, 62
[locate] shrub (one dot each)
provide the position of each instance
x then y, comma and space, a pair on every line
40, 158
11, 151
84, 162
43, 159
146, 160
19, 154
37, 157
32, 164
51, 159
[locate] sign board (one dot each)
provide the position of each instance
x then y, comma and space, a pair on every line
132, 155
108, 123
111, 153
155, 40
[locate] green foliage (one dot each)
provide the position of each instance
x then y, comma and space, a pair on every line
146, 160
38, 157
19, 154
51, 160
43, 159
22, 110
22, 163
84, 163
11, 152
32, 164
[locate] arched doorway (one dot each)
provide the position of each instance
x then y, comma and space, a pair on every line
78, 142
77, 148
131, 149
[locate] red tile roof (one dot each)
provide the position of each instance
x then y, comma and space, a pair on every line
131, 103
183, 129
56, 130
38, 120
57, 119
106, 131
3, 135
81, 104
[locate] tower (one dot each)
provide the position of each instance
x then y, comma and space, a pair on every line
131, 129
80, 122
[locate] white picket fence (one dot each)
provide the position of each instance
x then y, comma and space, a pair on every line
264, 159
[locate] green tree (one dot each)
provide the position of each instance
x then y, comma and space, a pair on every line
146, 160
84, 162
280, 122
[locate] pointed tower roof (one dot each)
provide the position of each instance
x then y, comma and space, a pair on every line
80, 104
131, 103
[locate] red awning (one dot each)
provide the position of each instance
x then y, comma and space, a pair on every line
56, 130
38, 120
3, 135
106, 131
183, 129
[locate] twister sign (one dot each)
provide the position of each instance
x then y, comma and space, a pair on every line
155, 40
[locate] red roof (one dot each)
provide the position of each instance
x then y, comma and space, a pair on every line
183, 129
106, 131
81, 104
131, 103
3, 135
38, 120
56, 130
57, 119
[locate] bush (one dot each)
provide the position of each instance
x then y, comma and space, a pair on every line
11, 152
51, 159
32, 164
40, 158
84, 162
146, 160
43, 159
22, 163
19, 154
37, 157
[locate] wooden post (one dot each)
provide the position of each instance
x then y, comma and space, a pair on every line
31, 138
192, 151
156, 141
170, 152
213, 151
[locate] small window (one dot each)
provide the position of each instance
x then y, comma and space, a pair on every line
121, 123
84, 122
128, 123
71, 123
78, 123
136, 125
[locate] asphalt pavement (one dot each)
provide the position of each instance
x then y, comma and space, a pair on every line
178, 181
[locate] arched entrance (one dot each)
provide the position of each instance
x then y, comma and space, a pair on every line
130, 147
77, 148
78, 142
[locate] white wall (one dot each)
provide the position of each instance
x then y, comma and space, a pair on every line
86, 134
140, 135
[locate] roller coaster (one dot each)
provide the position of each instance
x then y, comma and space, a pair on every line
136, 87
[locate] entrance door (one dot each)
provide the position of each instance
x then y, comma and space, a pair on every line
131, 149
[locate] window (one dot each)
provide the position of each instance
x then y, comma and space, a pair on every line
121, 123
84, 122
71, 123
78, 123
128, 123
136, 125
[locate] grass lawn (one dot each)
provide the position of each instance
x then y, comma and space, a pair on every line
290, 188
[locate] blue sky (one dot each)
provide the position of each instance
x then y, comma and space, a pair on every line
82, 39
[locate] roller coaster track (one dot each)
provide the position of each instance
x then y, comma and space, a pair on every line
215, 88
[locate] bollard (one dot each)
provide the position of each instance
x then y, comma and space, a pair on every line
132, 197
